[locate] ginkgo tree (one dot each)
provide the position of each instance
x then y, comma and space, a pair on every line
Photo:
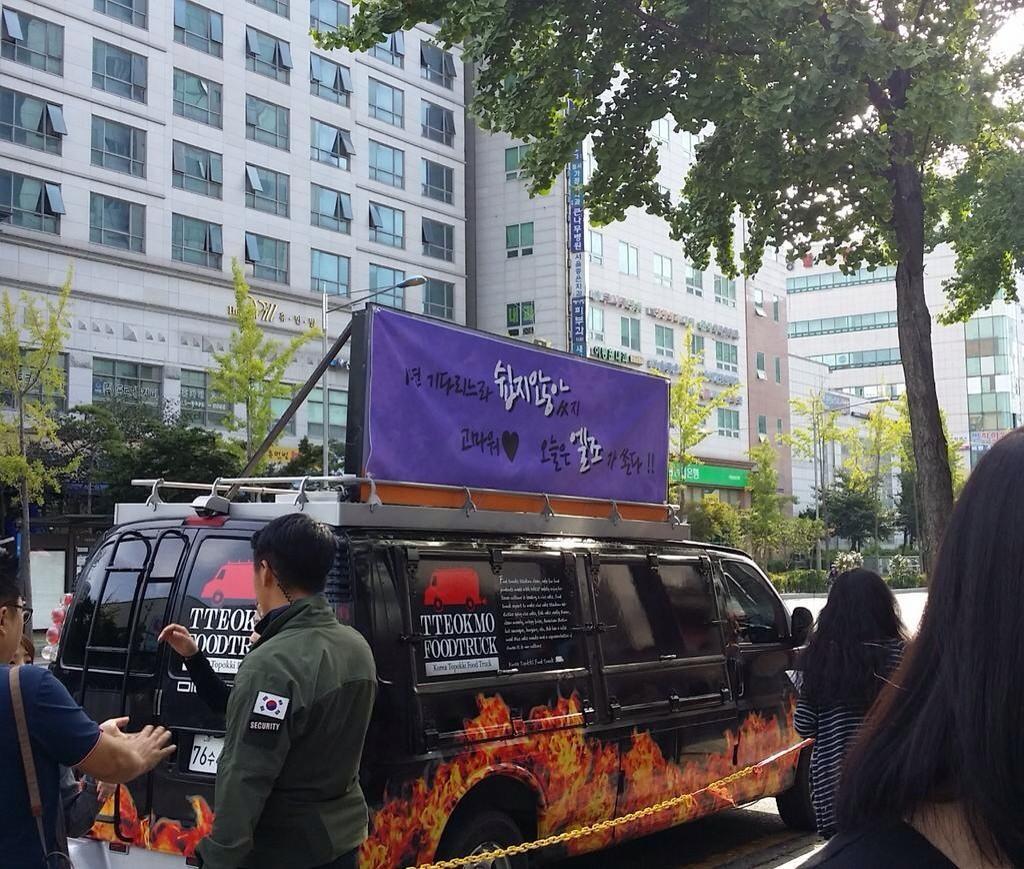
32, 337
865, 131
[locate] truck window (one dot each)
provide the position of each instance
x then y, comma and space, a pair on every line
76, 633
649, 614
220, 605
752, 612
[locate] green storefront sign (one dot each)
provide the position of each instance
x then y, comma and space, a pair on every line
709, 475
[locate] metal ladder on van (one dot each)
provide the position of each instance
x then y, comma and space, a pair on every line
144, 574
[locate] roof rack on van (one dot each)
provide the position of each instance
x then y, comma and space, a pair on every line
350, 500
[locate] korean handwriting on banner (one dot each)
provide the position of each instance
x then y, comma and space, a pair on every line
535, 388
449, 384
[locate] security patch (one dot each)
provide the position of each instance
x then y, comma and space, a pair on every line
270, 705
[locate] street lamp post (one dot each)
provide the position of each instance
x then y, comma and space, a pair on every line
325, 311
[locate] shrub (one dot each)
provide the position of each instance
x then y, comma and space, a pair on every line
845, 561
903, 573
714, 521
799, 581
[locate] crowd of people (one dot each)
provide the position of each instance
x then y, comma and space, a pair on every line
918, 756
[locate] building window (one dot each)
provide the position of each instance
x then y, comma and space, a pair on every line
331, 209
33, 41
127, 381
331, 145
437, 65
514, 157
661, 129
269, 257
327, 15
266, 190
329, 273
438, 240
438, 123
663, 271
387, 164
118, 147
117, 223
775, 308
697, 346
778, 425
266, 122
196, 241
329, 80
778, 369
119, 71
57, 400
267, 55
728, 423
664, 341
595, 247
438, 181
279, 404
30, 121
629, 259
520, 318
726, 356
831, 280
198, 406
439, 298
278, 7
197, 170
725, 291
337, 413
198, 99
129, 11
760, 367
848, 323
694, 281
391, 50
762, 428
198, 27
386, 103
387, 225
381, 278
518, 240
595, 324
31, 202
860, 358
629, 332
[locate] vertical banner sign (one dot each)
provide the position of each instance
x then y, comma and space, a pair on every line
441, 404
577, 259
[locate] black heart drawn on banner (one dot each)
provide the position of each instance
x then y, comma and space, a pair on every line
510, 443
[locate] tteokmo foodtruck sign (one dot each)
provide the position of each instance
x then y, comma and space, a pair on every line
435, 403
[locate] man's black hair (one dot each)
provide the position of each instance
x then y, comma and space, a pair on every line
10, 587
300, 551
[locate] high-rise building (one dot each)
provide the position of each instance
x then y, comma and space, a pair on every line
848, 323
529, 254
147, 145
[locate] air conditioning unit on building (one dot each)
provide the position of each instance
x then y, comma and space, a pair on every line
542, 342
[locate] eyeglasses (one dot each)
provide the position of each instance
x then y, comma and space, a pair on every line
26, 611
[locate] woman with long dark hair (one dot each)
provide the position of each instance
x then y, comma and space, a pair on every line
857, 642
937, 777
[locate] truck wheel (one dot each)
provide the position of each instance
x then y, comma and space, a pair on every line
480, 833
795, 806
218, 598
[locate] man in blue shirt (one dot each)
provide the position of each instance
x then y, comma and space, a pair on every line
61, 734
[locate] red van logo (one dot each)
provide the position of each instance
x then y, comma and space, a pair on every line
232, 582
454, 586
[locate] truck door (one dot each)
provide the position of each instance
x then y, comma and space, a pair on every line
110, 657
664, 669
757, 630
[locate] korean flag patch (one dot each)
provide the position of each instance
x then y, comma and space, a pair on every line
270, 705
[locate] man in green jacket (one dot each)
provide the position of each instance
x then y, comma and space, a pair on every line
288, 794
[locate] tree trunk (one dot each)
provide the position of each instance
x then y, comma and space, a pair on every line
934, 484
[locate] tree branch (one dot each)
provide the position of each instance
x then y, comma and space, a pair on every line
707, 45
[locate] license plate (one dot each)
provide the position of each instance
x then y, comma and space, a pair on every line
205, 753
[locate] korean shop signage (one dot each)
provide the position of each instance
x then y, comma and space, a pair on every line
577, 259
619, 357
437, 403
270, 312
710, 475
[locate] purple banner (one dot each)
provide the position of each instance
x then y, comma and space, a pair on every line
447, 405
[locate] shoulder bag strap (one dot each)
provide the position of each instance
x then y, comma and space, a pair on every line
27, 758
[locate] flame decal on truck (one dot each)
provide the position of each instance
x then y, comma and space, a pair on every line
575, 776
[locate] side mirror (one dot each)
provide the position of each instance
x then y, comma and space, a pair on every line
800, 625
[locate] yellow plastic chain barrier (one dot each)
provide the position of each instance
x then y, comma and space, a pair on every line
582, 832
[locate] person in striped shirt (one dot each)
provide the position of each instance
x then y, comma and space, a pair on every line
857, 643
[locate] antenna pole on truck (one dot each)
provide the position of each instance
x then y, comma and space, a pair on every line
300, 397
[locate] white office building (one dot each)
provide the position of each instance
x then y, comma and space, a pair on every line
848, 323
147, 145
641, 291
